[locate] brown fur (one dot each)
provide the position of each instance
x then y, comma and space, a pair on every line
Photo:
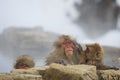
58, 55
94, 56
24, 59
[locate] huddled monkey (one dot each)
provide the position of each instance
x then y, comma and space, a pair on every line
66, 51
94, 56
24, 62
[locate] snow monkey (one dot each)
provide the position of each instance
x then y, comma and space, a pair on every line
66, 51
94, 56
24, 62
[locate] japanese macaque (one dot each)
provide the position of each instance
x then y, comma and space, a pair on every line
94, 56
24, 62
67, 51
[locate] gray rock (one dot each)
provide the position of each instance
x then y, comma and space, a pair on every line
109, 75
71, 72
9, 76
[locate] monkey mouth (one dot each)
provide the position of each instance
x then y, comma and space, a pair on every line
69, 49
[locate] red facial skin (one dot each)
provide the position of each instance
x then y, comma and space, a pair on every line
21, 66
67, 45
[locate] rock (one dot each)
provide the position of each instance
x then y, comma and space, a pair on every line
61, 72
35, 71
25, 74
71, 72
7, 76
41, 70
24, 71
109, 74
27, 77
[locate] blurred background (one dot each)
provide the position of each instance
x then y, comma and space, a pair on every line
31, 26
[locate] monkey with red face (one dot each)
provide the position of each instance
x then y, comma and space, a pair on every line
66, 51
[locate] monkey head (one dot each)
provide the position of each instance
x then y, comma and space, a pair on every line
23, 62
67, 51
94, 53
90, 50
66, 43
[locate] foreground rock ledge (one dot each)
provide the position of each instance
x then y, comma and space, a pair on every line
34, 71
109, 74
60, 72
7, 76
73, 72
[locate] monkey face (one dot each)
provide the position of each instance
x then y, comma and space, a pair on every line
21, 66
68, 46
